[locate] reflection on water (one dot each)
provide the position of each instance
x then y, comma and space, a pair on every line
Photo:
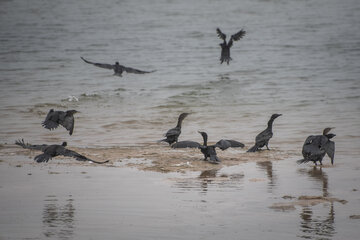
58, 219
312, 224
210, 178
205, 177
319, 175
268, 167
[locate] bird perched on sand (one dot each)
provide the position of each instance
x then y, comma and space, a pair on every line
225, 47
65, 119
173, 134
209, 150
315, 147
50, 151
118, 69
262, 139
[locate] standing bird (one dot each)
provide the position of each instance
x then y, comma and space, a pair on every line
315, 147
118, 69
225, 47
50, 151
173, 134
262, 139
65, 119
208, 151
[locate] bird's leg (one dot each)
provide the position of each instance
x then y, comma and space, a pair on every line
267, 147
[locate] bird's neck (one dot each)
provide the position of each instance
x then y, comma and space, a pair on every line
205, 140
270, 123
179, 123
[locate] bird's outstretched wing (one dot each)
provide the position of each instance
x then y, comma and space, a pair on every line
186, 144
69, 153
102, 65
225, 144
51, 120
237, 36
329, 148
220, 34
30, 146
68, 123
137, 71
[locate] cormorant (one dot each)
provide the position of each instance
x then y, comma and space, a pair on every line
51, 151
173, 134
208, 151
262, 139
118, 69
54, 118
225, 47
315, 147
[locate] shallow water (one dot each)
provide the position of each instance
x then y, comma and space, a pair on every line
59, 201
299, 58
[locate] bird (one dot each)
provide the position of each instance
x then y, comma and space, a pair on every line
209, 151
225, 47
118, 69
65, 119
315, 147
262, 139
50, 151
173, 134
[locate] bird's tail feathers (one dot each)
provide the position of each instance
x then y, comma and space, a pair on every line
301, 161
253, 149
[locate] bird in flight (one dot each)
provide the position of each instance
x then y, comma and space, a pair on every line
225, 47
50, 151
118, 69
65, 119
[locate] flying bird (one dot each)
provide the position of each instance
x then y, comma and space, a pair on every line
173, 134
50, 151
55, 118
225, 47
262, 139
118, 69
209, 151
315, 147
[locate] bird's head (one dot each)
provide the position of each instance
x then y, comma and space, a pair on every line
327, 130
51, 110
275, 115
116, 63
64, 144
72, 112
203, 134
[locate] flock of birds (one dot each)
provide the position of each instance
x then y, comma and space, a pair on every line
314, 149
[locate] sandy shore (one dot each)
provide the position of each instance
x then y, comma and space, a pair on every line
152, 157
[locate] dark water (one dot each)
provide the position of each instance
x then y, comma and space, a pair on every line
299, 58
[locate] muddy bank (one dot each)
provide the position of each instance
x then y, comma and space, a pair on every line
153, 157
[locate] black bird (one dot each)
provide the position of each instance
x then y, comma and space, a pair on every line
315, 147
173, 134
225, 47
51, 151
118, 69
262, 139
65, 119
208, 151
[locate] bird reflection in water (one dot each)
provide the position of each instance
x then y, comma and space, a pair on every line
268, 167
58, 219
312, 225
207, 177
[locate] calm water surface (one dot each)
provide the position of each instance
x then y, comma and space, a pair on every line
299, 58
